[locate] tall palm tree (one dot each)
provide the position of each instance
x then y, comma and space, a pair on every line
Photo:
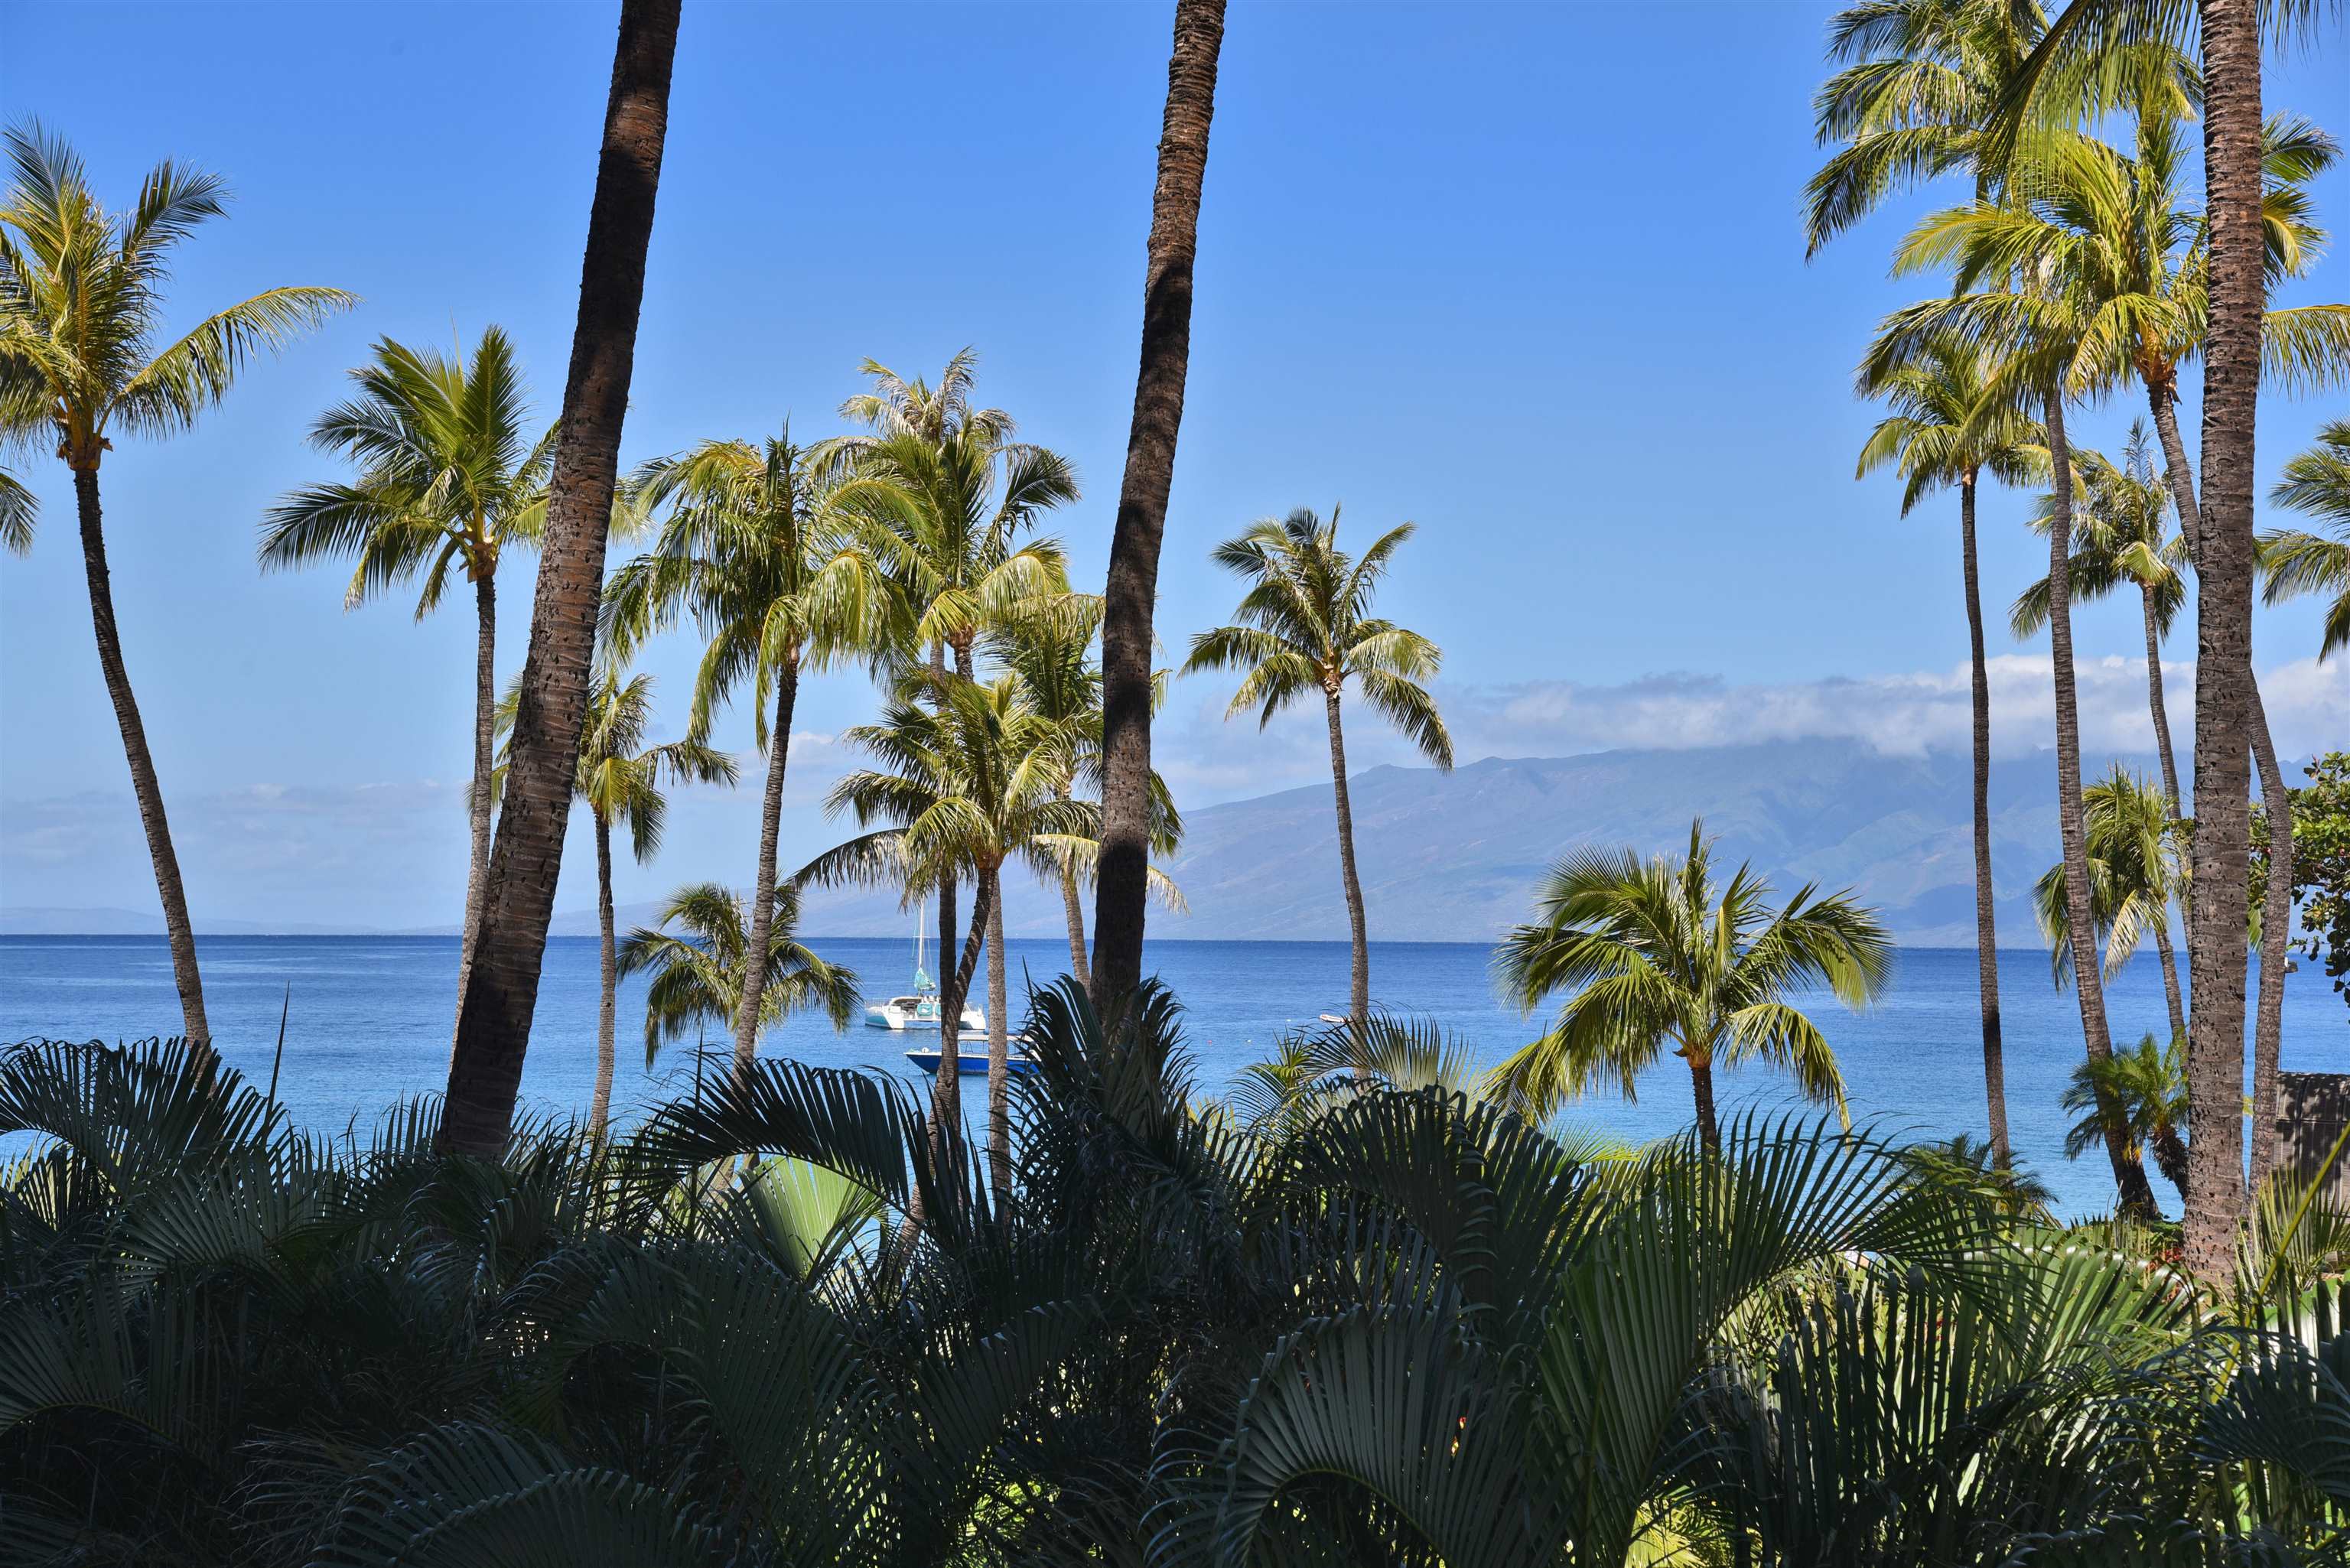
1304, 626
1949, 429
2041, 336
965, 785
82, 294
450, 477
1656, 956
2137, 870
1122, 889
2295, 561
494, 1018
699, 972
2121, 534
2150, 1081
619, 781
753, 550
1050, 652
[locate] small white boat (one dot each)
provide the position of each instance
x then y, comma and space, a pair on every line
921, 1010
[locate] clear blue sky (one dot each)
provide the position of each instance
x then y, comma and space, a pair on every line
1530, 275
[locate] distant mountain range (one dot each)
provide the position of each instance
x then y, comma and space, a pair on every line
1455, 858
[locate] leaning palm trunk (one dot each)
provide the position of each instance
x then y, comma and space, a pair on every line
502, 989
2268, 1021
1073, 911
763, 890
485, 706
1986, 925
2156, 707
2129, 1172
1358, 989
2170, 992
1122, 877
180, 934
599, 1109
999, 1042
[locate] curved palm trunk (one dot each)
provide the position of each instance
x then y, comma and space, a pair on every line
526, 856
999, 1044
1986, 925
1073, 911
2170, 992
486, 722
144, 785
599, 1109
2129, 1172
762, 891
2156, 707
1122, 877
1709, 1128
2268, 1019
1358, 990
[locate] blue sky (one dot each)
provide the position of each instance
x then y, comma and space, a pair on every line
1529, 275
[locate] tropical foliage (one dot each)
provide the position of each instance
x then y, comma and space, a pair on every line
699, 967
2296, 561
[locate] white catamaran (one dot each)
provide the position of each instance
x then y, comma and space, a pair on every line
921, 1010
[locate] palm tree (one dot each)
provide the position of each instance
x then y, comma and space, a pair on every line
756, 552
494, 1018
700, 973
619, 781
975, 780
2316, 482
1122, 888
2150, 1082
1304, 627
450, 477
2137, 870
1948, 429
18, 512
81, 304
1656, 955
2121, 534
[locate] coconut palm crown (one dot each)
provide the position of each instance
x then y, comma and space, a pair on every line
2296, 561
1655, 956
698, 968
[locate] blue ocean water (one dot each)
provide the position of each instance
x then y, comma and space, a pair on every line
370, 1017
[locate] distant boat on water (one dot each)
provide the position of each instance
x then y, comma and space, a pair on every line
919, 1009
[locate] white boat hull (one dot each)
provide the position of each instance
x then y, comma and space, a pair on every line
906, 1013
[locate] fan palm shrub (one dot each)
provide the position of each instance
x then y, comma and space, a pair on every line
83, 360
1655, 956
1304, 628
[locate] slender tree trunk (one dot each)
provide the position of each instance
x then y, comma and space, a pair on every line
2170, 992
599, 1109
2155, 704
999, 1044
1121, 880
1709, 1128
1073, 911
2276, 931
954, 986
485, 725
1986, 925
2268, 1023
762, 891
2129, 1172
510, 935
2163, 401
144, 785
1358, 990
2223, 556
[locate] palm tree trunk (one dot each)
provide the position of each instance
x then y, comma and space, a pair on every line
599, 1109
2276, 930
1358, 990
954, 985
502, 989
1709, 1129
1986, 925
2170, 1158
763, 890
1121, 878
1073, 911
999, 1044
2170, 992
2129, 1172
485, 723
149, 791
2268, 1021
2163, 401
2154, 703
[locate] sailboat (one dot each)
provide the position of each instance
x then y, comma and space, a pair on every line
921, 1009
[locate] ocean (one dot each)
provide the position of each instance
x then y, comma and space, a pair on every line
369, 1024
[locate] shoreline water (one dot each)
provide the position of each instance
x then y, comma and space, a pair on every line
369, 1024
